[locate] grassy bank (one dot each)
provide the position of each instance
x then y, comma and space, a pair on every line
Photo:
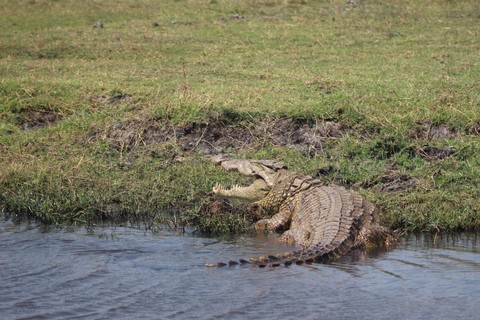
118, 122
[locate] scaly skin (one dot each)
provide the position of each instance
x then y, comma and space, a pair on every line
325, 221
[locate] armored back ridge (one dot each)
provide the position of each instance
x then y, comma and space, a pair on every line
326, 221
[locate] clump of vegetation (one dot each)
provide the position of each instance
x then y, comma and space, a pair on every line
218, 216
119, 122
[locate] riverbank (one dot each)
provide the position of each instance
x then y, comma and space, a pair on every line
118, 122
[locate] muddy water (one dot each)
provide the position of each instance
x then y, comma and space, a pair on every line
126, 273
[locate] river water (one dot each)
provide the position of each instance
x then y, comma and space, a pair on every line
130, 273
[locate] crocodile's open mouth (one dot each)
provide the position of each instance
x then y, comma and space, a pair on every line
264, 174
254, 192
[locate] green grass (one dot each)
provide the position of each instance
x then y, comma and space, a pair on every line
382, 69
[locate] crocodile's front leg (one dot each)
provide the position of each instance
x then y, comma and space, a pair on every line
277, 221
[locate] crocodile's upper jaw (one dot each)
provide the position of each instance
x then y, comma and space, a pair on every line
264, 172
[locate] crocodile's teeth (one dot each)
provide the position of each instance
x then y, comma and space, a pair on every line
218, 187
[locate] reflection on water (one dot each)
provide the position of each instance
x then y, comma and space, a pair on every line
124, 273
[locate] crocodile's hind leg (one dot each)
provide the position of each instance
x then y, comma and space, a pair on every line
375, 235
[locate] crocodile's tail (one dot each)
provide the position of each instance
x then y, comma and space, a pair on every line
324, 254
368, 237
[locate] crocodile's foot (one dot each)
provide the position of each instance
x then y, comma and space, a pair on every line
265, 224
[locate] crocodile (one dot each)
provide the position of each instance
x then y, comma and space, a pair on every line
325, 221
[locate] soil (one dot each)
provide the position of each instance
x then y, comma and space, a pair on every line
439, 132
430, 153
435, 132
392, 182
331, 175
114, 99
35, 117
476, 128
219, 136
396, 183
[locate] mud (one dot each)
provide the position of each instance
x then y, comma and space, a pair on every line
475, 129
331, 175
34, 117
430, 153
114, 99
396, 183
220, 136
439, 132
392, 183
435, 132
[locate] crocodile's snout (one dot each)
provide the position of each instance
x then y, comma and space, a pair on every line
218, 159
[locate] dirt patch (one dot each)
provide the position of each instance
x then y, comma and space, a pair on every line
114, 99
330, 174
475, 129
396, 183
440, 132
222, 135
392, 183
35, 117
436, 131
219, 136
431, 153
285, 133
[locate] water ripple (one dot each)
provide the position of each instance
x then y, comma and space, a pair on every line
125, 273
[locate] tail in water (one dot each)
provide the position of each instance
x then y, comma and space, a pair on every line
321, 255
